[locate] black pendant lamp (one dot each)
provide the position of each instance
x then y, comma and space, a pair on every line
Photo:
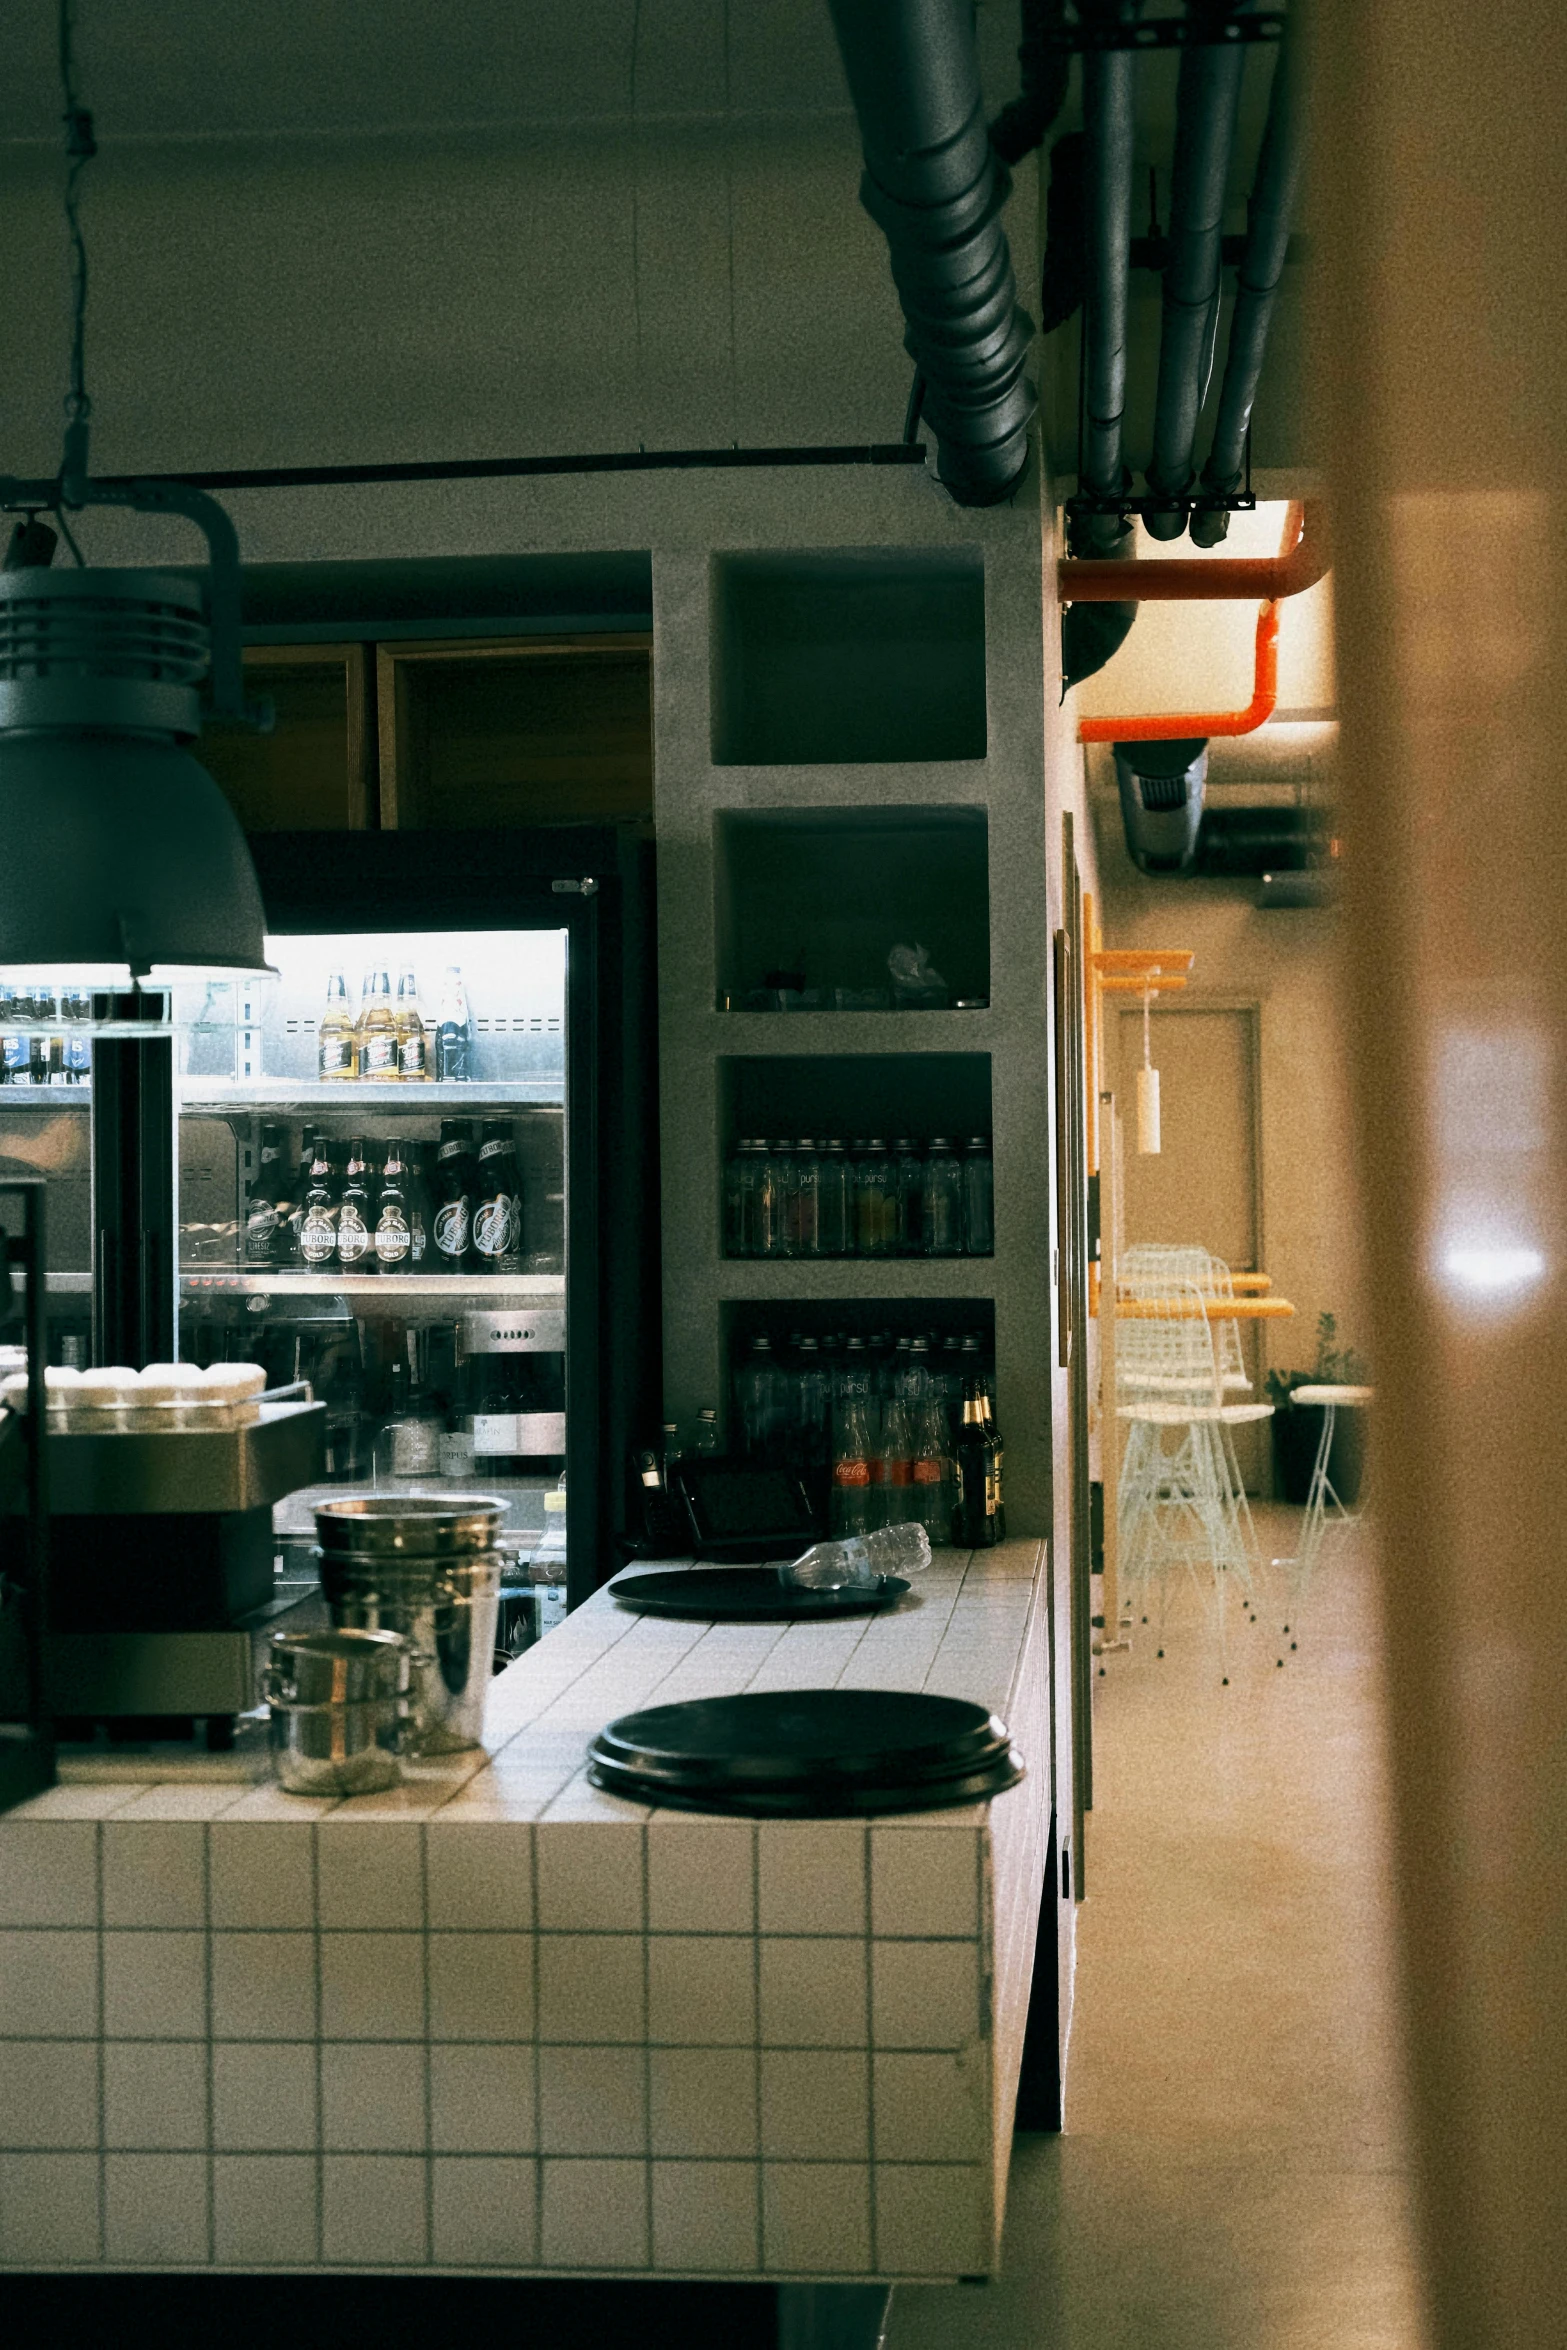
123, 863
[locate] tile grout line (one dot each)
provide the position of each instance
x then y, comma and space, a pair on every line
538, 2084
870, 2056
427, 2054
212, 2165
756, 2039
646, 1858
315, 1917
103, 2090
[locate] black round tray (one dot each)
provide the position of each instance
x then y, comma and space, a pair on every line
807, 1753
747, 1595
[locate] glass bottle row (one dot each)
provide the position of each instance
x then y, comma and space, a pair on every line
801, 1198
880, 1434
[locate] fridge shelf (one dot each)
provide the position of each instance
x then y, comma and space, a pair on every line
301, 1094
535, 1289
46, 1097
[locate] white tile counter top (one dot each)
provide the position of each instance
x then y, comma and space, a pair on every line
495, 2020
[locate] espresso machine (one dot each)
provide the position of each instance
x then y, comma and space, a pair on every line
160, 1568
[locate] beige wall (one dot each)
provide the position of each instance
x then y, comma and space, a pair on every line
1286, 963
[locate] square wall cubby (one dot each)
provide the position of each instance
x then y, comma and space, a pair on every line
848, 656
809, 903
853, 1094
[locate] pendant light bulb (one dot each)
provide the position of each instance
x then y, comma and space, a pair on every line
1147, 1095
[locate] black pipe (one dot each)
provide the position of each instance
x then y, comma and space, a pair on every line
1109, 130
1267, 249
310, 477
934, 187
1207, 98
1044, 71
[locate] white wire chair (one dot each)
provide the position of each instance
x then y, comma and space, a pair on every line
1180, 1507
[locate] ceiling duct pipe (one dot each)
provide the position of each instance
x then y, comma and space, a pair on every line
1089, 638
934, 187
1257, 283
1207, 99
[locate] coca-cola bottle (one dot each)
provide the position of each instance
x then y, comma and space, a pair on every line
892, 1466
933, 1474
851, 1469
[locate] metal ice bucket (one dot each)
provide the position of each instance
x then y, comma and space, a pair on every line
428, 1567
339, 1707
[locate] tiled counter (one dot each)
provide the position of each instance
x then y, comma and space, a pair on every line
497, 2021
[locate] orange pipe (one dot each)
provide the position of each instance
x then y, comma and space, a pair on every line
1175, 726
1303, 560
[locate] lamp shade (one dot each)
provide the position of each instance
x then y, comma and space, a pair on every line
121, 858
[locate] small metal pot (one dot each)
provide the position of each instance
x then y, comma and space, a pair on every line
339, 1709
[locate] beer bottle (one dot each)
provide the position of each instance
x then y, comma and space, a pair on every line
261, 1217
495, 1221
454, 1032
393, 1234
378, 1044
76, 1010
318, 1225
994, 1456
13, 1064
355, 1216
455, 1186
420, 1217
40, 1067
291, 1214
413, 1038
337, 1045
974, 1521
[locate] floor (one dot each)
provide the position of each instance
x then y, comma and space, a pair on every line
1233, 2175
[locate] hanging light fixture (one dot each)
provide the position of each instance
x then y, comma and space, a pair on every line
124, 863
1147, 1092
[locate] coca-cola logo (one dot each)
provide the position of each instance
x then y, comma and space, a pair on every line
451, 1228
492, 1228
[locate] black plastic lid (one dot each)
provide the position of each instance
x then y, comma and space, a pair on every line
803, 1739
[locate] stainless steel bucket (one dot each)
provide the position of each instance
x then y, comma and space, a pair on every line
425, 1525
339, 1706
430, 1569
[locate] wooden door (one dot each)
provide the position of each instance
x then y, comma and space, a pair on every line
1202, 1189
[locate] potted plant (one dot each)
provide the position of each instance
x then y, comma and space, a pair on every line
1297, 1428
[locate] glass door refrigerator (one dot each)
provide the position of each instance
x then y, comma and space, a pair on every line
417, 1169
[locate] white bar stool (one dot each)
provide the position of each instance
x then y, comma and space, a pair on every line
1321, 1494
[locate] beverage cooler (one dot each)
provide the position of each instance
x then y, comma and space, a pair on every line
416, 1170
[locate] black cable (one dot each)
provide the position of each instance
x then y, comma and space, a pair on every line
914, 411
80, 148
69, 536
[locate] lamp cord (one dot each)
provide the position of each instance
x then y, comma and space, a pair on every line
80, 148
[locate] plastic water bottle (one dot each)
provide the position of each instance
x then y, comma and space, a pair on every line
859, 1560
